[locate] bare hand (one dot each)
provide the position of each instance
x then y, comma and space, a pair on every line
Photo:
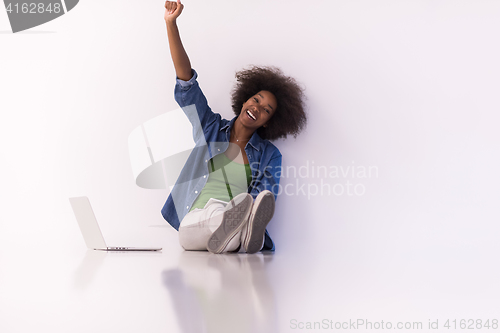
173, 10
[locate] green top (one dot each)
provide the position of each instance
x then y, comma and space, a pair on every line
227, 179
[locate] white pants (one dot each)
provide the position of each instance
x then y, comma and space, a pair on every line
198, 225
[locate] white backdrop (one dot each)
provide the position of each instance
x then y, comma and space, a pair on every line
409, 88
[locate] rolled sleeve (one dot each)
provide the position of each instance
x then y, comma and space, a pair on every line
187, 84
193, 102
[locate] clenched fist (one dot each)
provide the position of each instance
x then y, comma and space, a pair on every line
173, 10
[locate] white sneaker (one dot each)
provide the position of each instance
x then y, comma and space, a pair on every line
262, 213
235, 217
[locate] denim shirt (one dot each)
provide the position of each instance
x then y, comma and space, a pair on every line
211, 135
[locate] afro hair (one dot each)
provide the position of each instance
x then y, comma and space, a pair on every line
290, 116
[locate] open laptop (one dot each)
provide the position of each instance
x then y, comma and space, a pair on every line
90, 228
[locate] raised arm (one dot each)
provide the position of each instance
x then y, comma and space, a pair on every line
179, 55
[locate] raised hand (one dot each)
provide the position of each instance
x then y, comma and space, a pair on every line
179, 55
173, 10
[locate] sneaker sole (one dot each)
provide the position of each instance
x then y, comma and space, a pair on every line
233, 221
258, 222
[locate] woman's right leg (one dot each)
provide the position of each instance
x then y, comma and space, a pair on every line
227, 237
199, 224
217, 227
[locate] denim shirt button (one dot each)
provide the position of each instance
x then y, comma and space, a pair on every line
187, 207
218, 149
204, 176
196, 192
206, 161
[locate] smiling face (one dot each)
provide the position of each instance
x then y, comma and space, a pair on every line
258, 109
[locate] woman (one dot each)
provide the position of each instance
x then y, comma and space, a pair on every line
225, 195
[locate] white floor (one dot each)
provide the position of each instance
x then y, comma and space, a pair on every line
178, 291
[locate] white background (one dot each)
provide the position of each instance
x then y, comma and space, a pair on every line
410, 87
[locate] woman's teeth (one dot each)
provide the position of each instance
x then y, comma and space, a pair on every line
251, 115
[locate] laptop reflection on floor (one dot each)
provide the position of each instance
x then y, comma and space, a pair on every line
90, 228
